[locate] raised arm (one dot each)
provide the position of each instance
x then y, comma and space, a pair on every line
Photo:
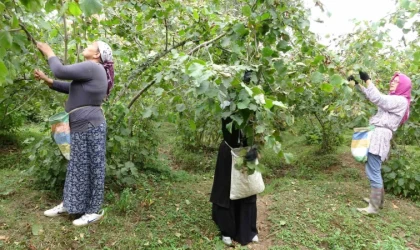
78, 71
385, 102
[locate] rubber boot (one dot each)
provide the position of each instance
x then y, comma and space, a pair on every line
381, 206
374, 202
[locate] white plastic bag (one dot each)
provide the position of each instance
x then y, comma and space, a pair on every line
243, 185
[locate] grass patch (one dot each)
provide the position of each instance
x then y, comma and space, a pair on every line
311, 205
318, 214
155, 215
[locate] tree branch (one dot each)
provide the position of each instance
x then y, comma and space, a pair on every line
166, 28
66, 37
28, 35
207, 43
145, 65
164, 53
140, 93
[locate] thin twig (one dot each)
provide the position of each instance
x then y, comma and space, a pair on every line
166, 28
207, 43
66, 38
140, 93
27, 99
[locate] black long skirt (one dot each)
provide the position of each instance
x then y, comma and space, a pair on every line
234, 218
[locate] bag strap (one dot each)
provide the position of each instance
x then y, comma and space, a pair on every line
82, 107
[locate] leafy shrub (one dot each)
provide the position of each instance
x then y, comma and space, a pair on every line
391, 244
347, 173
195, 160
10, 122
320, 162
315, 136
198, 131
131, 145
47, 164
270, 159
402, 176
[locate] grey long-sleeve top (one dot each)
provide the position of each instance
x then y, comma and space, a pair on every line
391, 110
88, 88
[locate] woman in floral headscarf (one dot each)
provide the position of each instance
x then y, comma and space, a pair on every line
91, 83
393, 111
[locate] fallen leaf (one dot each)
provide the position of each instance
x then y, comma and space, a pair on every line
188, 202
394, 206
3, 237
282, 223
178, 235
159, 242
37, 229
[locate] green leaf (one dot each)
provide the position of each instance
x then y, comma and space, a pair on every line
243, 104
90, 7
386, 169
265, 16
15, 22
378, 45
283, 46
327, 87
317, 77
417, 56
2, 7
3, 71
257, 91
266, 52
129, 164
33, 5
401, 182
180, 107
279, 104
336, 80
196, 69
147, 113
5, 39
400, 23
405, 4
240, 29
412, 186
193, 126
246, 11
268, 103
196, 16
392, 175
288, 157
248, 90
238, 119
74, 9
280, 67
259, 129
159, 91
37, 229
50, 5
204, 86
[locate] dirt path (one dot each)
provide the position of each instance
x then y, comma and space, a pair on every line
263, 224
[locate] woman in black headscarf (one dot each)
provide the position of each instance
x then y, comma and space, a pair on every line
236, 219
